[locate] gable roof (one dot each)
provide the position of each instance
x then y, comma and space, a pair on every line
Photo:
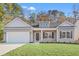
54, 24
17, 22
66, 23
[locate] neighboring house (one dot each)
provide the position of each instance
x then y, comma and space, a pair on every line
19, 31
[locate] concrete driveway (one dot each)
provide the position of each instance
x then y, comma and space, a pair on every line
4, 48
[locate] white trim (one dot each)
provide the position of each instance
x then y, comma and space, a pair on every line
44, 28
41, 35
20, 20
63, 24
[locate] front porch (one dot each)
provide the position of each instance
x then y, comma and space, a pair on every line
44, 35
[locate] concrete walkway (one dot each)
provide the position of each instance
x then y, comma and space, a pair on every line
4, 48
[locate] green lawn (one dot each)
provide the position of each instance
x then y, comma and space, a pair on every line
46, 49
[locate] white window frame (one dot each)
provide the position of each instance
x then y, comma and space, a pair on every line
61, 34
45, 34
66, 33
49, 35
70, 34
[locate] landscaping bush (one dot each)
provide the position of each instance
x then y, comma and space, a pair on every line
1, 35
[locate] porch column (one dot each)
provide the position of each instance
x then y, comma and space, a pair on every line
58, 35
41, 36
31, 37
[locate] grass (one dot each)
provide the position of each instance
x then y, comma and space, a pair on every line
46, 49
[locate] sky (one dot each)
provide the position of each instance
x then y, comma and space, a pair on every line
67, 8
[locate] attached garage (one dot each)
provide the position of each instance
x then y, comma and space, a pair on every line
15, 37
17, 31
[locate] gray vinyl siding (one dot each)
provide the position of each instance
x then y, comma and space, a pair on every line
66, 29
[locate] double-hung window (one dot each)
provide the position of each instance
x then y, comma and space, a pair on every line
45, 34
62, 34
66, 34
69, 34
48, 34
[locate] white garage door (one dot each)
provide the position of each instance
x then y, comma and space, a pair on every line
17, 37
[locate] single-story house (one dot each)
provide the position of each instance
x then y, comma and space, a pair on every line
19, 31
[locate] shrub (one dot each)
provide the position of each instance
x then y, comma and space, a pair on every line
1, 35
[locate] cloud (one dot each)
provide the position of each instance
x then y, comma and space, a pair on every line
31, 8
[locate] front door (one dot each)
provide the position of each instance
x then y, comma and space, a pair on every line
37, 37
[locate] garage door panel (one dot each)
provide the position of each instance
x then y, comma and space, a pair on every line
18, 37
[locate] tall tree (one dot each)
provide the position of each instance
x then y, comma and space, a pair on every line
55, 13
13, 8
32, 17
61, 13
1, 22
2, 12
7, 12
75, 12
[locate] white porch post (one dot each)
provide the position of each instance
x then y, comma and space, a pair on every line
31, 37
58, 36
41, 36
